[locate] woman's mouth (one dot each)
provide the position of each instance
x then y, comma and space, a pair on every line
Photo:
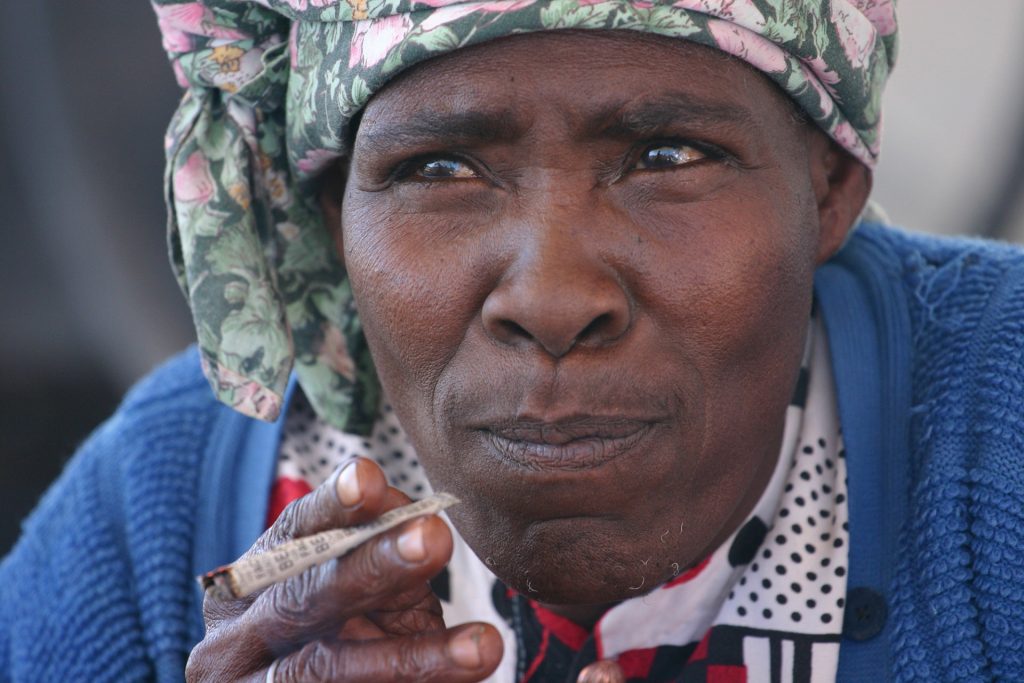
571, 444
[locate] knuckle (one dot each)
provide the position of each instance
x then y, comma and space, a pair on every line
212, 659
194, 667
292, 600
296, 516
374, 562
414, 660
303, 516
315, 662
412, 616
231, 651
216, 611
370, 574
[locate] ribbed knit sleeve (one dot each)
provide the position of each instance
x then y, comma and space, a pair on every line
99, 586
958, 602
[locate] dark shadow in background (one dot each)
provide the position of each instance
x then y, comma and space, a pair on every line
87, 301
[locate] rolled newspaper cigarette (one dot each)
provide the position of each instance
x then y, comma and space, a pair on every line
250, 574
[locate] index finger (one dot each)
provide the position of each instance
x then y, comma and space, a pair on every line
355, 494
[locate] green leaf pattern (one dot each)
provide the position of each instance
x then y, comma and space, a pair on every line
273, 86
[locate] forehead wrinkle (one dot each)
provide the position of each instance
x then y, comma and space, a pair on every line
428, 126
651, 116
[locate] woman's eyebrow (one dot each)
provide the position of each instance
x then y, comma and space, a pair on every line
618, 119
433, 127
653, 116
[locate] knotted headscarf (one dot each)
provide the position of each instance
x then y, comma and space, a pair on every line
273, 85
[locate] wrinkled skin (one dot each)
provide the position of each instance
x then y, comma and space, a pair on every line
368, 617
602, 224
583, 262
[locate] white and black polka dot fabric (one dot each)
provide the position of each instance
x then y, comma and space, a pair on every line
799, 571
311, 449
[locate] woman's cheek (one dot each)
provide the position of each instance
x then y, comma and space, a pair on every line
412, 294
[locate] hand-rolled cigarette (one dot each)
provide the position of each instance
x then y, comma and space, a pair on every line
250, 574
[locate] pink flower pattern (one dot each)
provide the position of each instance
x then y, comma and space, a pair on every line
846, 136
856, 33
881, 13
179, 23
192, 182
334, 354
740, 12
823, 80
316, 160
449, 12
374, 39
437, 3
748, 46
245, 395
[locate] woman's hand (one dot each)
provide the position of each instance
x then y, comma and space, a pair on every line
368, 616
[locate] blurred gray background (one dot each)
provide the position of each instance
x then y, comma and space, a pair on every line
86, 297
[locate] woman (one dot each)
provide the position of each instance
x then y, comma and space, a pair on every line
706, 422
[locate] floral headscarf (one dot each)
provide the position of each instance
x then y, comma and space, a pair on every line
272, 86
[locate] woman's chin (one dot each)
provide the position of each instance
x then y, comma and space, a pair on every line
581, 577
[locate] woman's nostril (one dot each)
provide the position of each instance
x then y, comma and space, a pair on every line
595, 327
516, 331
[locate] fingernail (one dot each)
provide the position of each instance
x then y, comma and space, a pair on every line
410, 544
348, 485
464, 648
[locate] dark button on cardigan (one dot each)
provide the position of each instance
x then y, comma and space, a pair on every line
865, 614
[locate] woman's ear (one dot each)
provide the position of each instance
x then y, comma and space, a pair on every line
332, 191
841, 186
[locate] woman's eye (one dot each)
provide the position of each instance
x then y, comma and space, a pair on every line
439, 169
668, 156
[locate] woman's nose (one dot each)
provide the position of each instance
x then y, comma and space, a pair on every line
559, 294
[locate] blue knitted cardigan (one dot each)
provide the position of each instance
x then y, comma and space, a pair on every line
927, 337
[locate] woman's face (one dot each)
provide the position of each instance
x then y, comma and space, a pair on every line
583, 262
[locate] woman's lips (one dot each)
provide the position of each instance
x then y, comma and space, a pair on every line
575, 444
